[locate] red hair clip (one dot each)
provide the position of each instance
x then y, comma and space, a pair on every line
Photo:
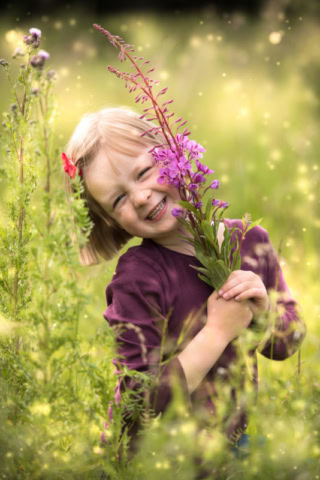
69, 167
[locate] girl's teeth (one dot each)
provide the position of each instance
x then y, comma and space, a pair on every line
157, 210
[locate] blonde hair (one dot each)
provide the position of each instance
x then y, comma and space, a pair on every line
116, 130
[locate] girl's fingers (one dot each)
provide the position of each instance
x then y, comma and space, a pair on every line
253, 293
237, 277
241, 287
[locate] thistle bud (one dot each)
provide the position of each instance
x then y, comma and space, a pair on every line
18, 52
27, 39
51, 74
38, 61
3, 62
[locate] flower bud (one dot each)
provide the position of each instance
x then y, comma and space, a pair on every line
27, 39
38, 61
3, 62
177, 212
43, 54
215, 184
18, 52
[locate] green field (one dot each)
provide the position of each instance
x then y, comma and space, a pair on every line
249, 89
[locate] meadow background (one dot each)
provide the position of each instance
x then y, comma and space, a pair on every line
249, 89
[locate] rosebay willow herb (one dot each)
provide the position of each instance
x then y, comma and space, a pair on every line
178, 158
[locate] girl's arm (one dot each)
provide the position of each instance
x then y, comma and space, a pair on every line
226, 320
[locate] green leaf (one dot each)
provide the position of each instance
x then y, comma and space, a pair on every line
254, 224
200, 254
205, 279
203, 270
191, 208
208, 232
208, 209
221, 273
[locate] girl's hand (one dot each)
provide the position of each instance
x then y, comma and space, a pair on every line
226, 319
245, 285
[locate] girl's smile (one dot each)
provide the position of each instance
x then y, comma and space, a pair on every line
157, 212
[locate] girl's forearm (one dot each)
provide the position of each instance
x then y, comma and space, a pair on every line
200, 355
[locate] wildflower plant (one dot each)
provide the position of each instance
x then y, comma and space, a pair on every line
179, 159
46, 370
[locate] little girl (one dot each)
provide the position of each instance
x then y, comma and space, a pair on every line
155, 283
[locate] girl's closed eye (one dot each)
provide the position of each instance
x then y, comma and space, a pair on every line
117, 200
145, 170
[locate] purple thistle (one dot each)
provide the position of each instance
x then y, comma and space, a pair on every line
35, 32
38, 61
43, 54
34, 37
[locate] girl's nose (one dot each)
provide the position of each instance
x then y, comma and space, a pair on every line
140, 197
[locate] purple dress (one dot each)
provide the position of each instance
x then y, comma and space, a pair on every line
153, 285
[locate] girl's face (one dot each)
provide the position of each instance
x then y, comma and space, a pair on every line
129, 192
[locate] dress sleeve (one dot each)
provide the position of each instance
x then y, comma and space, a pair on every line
288, 330
137, 311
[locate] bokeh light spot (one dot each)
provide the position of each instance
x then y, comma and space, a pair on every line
64, 71
164, 75
275, 37
12, 36
195, 42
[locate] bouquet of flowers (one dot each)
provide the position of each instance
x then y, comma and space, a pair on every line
180, 165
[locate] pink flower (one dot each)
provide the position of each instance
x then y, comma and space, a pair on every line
68, 165
43, 54
35, 32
